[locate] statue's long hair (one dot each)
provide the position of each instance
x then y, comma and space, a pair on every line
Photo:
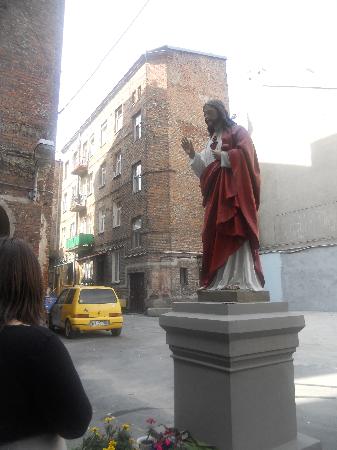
226, 120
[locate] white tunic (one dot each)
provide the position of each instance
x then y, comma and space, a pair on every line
239, 270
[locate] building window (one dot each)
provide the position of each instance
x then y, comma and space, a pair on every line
136, 232
116, 214
118, 118
75, 160
137, 177
83, 186
89, 225
63, 236
102, 175
85, 151
183, 276
90, 179
65, 202
66, 170
133, 97
88, 271
104, 128
101, 220
73, 191
118, 165
91, 146
115, 266
72, 229
139, 92
83, 225
137, 126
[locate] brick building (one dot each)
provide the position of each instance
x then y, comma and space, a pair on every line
30, 55
132, 214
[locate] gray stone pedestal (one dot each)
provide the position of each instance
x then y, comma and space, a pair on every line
234, 376
233, 296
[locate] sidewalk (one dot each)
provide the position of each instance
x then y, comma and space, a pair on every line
132, 376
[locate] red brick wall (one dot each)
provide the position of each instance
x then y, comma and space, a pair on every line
30, 54
192, 80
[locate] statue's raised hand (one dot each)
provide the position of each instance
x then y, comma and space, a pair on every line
188, 147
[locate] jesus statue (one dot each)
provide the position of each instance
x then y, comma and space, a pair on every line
230, 185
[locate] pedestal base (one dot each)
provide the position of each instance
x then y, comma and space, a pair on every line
233, 296
234, 376
301, 443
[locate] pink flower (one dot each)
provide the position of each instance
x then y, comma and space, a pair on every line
158, 446
151, 421
167, 442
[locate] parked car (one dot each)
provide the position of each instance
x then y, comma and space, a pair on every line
49, 301
87, 308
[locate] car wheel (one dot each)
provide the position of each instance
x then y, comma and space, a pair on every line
116, 332
68, 331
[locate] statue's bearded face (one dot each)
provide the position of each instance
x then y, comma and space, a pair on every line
211, 116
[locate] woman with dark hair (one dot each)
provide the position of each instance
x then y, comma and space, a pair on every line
42, 398
230, 184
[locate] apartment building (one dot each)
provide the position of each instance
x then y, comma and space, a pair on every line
131, 212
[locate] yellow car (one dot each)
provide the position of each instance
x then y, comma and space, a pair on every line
87, 308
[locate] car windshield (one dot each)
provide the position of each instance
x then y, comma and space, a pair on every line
96, 296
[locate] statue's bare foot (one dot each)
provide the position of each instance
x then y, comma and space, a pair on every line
202, 288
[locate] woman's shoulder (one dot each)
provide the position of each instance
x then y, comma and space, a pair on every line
26, 337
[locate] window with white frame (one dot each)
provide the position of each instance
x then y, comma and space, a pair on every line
115, 263
89, 225
88, 270
137, 177
85, 151
101, 220
136, 232
118, 118
90, 179
83, 225
65, 202
102, 175
63, 236
118, 164
66, 170
72, 229
75, 160
116, 214
104, 128
91, 146
137, 126
73, 191
83, 186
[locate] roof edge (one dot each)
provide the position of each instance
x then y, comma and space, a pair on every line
133, 69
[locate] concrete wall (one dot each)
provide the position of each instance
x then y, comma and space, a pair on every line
299, 212
309, 279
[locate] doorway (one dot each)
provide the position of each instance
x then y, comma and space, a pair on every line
137, 292
4, 223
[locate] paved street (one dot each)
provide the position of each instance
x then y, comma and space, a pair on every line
132, 376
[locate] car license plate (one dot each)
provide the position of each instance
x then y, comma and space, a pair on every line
99, 323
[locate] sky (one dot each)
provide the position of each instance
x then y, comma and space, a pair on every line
267, 43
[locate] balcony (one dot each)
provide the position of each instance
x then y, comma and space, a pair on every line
78, 203
80, 167
80, 242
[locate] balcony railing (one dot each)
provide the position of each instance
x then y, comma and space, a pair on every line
78, 203
80, 167
80, 241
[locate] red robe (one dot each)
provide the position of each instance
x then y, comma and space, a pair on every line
231, 197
